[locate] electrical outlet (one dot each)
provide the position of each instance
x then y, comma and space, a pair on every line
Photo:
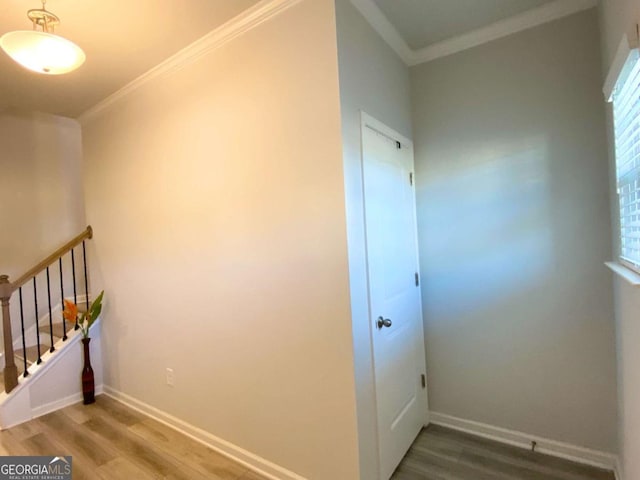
170, 378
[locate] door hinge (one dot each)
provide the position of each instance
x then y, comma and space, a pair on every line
423, 380
411, 178
417, 279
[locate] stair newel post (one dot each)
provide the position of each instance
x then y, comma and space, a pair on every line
10, 369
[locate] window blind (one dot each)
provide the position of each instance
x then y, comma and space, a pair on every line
626, 114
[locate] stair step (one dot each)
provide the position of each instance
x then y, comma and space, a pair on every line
57, 329
32, 354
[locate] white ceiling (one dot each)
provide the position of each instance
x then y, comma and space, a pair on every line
424, 22
122, 39
424, 30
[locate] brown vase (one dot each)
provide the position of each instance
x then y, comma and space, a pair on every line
88, 387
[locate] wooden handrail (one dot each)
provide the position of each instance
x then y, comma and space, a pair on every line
87, 234
7, 289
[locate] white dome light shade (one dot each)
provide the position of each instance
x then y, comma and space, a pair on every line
42, 52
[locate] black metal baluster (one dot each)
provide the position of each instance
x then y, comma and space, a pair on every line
64, 323
52, 349
86, 278
24, 340
35, 302
75, 291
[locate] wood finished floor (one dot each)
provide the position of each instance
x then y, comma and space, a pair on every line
442, 454
109, 441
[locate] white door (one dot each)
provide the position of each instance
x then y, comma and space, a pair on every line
394, 296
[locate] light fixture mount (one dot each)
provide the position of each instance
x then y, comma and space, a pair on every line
42, 18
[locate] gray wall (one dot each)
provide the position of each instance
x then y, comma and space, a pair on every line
617, 17
514, 226
373, 79
42, 199
40, 187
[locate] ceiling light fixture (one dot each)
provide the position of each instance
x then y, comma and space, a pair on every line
39, 49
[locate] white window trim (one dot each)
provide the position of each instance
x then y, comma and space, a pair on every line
624, 55
626, 272
627, 54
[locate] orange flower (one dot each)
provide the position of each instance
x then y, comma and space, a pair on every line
70, 311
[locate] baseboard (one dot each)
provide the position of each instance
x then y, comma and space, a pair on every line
62, 403
567, 451
251, 461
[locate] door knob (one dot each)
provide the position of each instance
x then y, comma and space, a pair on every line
384, 322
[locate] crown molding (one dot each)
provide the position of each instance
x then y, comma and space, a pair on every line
381, 24
240, 24
517, 23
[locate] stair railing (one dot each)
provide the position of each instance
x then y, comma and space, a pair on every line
29, 279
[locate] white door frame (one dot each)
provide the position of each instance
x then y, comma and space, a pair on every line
367, 121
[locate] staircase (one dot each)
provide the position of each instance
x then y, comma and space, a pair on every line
32, 353
42, 355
